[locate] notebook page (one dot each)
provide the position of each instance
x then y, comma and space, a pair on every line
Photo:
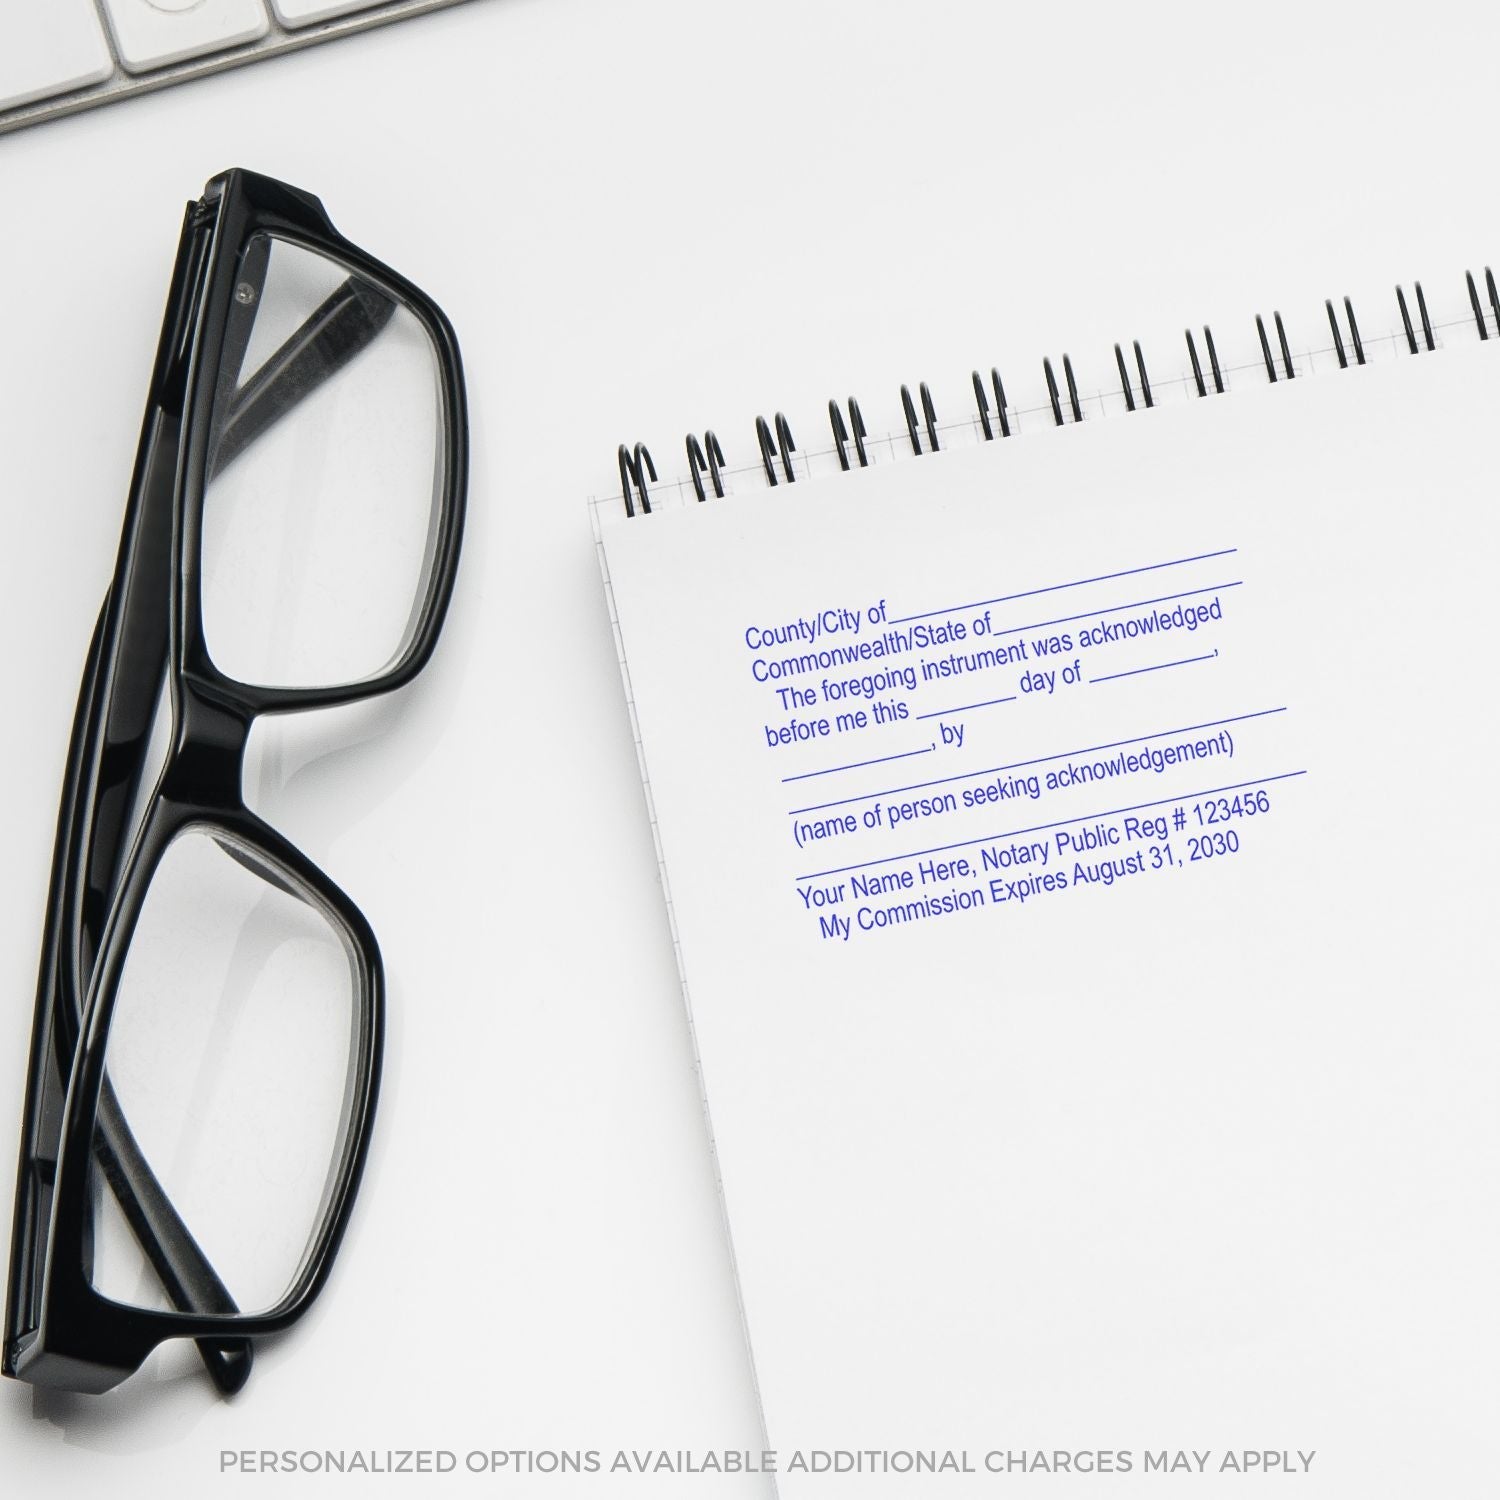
1081, 853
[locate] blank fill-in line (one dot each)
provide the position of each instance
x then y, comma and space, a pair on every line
1114, 609
1052, 588
855, 765
963, 708
1160, 667
1017, 765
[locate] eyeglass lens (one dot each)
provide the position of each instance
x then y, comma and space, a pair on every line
229, 1064
325, 473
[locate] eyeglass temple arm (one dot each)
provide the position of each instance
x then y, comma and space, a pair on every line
345, 324
185, 1272
179, 1262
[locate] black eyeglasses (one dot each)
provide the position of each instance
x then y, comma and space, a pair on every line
206, 1044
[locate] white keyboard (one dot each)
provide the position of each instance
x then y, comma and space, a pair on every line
57, 56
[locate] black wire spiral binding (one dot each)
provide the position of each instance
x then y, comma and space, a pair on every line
1484, 332
777, 445
982, 402
1187, 333
1140, 364
1052, 391
1338, 338
713, 463
1359, 348
841, 433
1124, 379
1213, 360
1411, 338
929, 417
630, 473
1489, 282
1265, 347
769, 445
1052, 395
767, 448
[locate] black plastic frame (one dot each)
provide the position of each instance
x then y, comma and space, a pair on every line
60, 1332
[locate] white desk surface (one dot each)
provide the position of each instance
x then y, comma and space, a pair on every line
641, 219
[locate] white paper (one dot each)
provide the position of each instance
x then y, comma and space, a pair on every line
1201, 1160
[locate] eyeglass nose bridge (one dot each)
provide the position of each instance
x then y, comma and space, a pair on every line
206, 764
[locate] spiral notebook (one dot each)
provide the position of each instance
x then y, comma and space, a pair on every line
1077, 823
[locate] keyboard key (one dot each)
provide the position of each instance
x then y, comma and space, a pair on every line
152, 33
48, 47
305, 12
